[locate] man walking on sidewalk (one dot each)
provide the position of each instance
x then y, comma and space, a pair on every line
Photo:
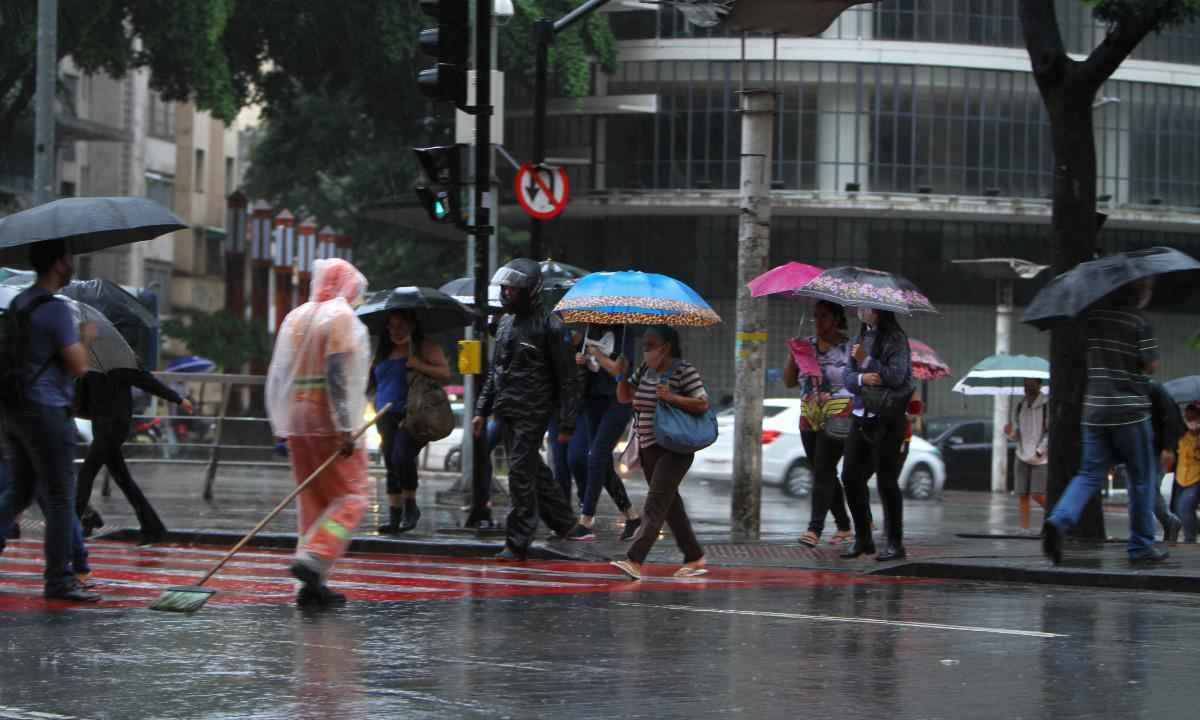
1029, 426
1121, 352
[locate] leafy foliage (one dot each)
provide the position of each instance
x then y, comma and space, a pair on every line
229, 341
1160, 13
571, 54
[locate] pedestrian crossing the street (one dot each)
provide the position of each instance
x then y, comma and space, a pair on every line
130, 576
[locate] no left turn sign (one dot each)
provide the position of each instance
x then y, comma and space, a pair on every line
542, 191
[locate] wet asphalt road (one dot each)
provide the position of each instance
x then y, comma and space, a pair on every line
433, 638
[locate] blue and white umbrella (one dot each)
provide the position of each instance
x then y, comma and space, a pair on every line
635, 298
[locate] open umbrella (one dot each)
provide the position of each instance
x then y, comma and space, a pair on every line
805, 356
1072, 292
1004, 375
559, 274
926, 363
635, 298
88, 224
863, 287
435, 310
788, 277
109, 351
132, 319
1184, 390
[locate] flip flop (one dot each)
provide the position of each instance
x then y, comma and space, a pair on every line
810, 539
628, 568
690, 572
841, 536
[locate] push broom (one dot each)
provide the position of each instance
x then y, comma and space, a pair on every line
190, 598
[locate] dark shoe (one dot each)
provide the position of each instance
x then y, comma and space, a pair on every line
1153, 557
320, 596
392, 526
311, 578
1171, 531
14, 533
581, 534
892, 552
73, 593
631, 528
153, 538
480, 518
1052, 542
858, 549
510, 555
91, 521
410, 516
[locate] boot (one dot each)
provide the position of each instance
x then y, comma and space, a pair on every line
392, 526
412, 514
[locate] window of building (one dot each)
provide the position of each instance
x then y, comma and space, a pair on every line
158, 280
161, 189
161, 117
66, 189
198, 172
230, 176
214, 247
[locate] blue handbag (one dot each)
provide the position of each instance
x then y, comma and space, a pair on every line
680, 431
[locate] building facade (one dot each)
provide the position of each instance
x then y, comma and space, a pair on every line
909, 135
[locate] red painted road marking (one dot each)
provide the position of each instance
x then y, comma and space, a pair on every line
131, 577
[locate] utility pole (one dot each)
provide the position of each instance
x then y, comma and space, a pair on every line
757, 108
44, 154
1000, 406
483, 218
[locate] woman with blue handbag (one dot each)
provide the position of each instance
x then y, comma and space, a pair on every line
672, 419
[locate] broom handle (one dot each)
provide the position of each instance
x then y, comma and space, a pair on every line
291, 496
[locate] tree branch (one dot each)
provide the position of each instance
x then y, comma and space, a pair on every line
1043, 42
19, 104
1118, 44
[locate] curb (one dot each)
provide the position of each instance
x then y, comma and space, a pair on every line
1149, 580
376, 545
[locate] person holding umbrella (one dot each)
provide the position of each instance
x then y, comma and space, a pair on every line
1029, 426
402, 349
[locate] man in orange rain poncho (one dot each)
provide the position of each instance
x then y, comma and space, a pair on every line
316, 395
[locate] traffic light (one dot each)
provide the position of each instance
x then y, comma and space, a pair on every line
443, 166
449, 43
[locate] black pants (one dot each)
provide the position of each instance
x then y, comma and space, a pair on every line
400, 453
664, 472
823, 454
531, 485
874, 447
110, 435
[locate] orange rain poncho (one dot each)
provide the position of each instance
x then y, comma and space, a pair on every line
316, 390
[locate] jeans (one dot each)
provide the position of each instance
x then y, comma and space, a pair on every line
606, 420
664, 472
875, 445
106, 450
1189, 498
42, 442
400, 453
823, 454
561, 454
1103, 448
531, 485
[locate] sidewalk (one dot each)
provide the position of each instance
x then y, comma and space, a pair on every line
966, 536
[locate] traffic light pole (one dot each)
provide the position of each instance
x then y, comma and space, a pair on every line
483, 224
544, 32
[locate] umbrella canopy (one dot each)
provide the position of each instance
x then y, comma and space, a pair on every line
1072, 292
557, 274
435, 310
463, 290
109, 351
864, 287
191, 364
12, 276
1184, 390
132, 319
88, 224
805, 356
635, 298
785, 278
1004, 375
926, 363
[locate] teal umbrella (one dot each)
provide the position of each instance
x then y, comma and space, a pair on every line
1004, 375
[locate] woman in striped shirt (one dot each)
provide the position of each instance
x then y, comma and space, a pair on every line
662, 377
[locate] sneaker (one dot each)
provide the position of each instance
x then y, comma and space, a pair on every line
581, 533
1171, 531
510, 555
91, 521
73, 593
1151, 557
631, 528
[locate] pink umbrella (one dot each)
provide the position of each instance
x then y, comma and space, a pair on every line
805, 357
926, 363
785, 278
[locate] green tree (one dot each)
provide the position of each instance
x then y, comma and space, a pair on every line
229, 341
572, 54
1068, 88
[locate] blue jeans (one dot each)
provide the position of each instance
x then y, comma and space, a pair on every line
493, 440
1189, 498
1103, 448
606, 420
561, 455
42, 441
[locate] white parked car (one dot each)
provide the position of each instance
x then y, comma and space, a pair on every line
785, 463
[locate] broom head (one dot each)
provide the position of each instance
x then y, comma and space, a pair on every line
183, 599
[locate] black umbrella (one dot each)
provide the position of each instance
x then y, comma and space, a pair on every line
1184, 390
1072, 292
463, 290
558, 275
435, 310
108, 351
87, 223
863, 287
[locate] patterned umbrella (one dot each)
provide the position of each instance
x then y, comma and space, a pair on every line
635, 298
926, 363
1004, 375
785, 278
864, 287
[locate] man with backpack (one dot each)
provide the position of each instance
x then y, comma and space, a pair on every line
1029, 427
44, 350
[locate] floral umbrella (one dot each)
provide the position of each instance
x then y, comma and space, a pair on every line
863, 287
926, 363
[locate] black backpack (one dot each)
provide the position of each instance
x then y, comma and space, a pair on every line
16, 332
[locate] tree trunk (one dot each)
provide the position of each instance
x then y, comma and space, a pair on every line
1074, 230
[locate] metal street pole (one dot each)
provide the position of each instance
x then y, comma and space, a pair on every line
44, 153
483, 218
757, 108
1000, 406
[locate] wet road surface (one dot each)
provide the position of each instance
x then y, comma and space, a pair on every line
435, 638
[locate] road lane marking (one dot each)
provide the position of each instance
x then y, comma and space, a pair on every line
857, 620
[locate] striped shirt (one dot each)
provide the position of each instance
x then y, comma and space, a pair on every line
685, 381
1120, 346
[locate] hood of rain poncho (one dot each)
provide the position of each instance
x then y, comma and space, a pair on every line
298, 394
